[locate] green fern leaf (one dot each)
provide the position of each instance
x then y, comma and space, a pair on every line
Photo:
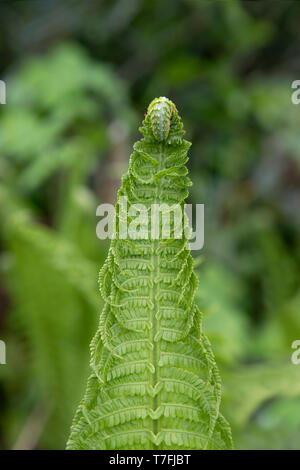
154, 382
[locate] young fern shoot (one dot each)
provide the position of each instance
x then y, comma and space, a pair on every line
154, 381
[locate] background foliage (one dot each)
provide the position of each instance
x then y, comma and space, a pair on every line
79, 77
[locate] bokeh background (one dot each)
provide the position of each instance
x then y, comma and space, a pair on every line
79, 78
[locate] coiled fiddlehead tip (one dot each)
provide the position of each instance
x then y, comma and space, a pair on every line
160, 112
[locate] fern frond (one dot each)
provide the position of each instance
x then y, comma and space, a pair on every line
155, 383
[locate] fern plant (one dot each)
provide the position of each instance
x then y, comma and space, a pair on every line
154, 381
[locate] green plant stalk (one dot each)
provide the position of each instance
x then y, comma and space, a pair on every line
154, 381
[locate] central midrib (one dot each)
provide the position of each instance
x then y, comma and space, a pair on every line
155, 292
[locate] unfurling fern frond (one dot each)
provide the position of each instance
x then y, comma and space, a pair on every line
154, 381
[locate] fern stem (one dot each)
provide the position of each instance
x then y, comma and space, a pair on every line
154, 320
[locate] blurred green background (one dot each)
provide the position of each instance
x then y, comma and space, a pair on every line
79, 77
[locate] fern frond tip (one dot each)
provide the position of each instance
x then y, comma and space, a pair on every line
162, 121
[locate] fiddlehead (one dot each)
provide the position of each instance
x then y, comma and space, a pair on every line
160, 114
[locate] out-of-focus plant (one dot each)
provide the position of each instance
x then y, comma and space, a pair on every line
230, 66
55, 130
